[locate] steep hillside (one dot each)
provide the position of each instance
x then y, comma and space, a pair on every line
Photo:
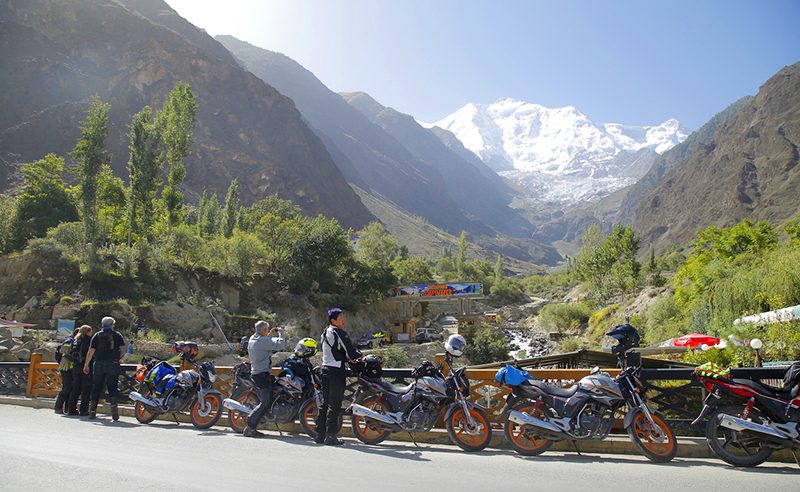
375, 161
748, 170
54, 55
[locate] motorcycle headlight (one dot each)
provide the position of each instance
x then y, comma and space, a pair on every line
212, 377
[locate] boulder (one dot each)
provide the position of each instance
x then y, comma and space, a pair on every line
8, 357
25, 354
64, 312
7, 343
47, 351
3, 349
226, 361
5, 333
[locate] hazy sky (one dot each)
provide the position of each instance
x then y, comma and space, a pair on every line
631, 62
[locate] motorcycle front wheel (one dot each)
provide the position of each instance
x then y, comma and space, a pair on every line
655, 441
739, 448
528, 441
308, 418
237, 419
366, 430
207, 412
143, 415
468, 437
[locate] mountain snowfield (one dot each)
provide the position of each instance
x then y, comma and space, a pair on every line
560, 154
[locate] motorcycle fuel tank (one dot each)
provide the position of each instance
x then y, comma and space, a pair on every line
431, 386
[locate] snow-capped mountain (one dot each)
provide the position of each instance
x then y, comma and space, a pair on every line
560, 154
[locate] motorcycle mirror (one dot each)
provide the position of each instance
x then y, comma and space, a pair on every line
595, 369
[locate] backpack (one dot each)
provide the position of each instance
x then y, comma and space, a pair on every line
426, 368
77, 356
512, 376
65, 344
712, 370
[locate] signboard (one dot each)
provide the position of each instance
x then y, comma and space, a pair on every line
64, 329
471, 289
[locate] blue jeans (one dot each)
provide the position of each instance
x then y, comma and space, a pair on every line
106, 372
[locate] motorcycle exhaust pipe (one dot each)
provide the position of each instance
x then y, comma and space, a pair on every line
136, 396
733, 423
232, 404
522, 419
363, 411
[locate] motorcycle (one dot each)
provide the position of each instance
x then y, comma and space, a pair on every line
538, 414
380, 408
296, 392
754, 419
164, 390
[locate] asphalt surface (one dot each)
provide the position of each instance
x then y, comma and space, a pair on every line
40, 450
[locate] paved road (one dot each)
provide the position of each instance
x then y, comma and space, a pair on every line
43, 451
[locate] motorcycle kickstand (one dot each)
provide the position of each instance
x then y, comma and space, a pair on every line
411, 435
174, 416
278, 426
795, 456
575, 443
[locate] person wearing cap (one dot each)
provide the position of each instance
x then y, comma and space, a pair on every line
336, 350
105, 349
261, 347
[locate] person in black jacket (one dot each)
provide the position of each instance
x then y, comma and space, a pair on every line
106, 348
336, 350
81, 383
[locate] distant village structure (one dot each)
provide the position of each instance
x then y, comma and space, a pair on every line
409, 298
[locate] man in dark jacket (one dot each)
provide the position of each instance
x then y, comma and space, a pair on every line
81, 383
106, 348
336, 350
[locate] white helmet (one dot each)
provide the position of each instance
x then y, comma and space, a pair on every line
455, 345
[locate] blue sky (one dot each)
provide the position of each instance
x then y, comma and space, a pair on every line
630, 62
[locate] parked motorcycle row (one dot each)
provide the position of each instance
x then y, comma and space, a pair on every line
747, 420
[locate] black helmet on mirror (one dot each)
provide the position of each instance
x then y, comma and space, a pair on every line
626, 337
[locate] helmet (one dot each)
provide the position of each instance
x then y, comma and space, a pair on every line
188, 350
305, 347
455, 345
626, 337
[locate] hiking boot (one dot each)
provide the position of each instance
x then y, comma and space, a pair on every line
319, 438
331, 440
114, 409
250, 432
93, 409
59, 411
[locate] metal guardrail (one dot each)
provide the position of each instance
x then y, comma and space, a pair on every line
672, 391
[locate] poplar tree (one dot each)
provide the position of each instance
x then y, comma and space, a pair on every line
143, 167
176, 122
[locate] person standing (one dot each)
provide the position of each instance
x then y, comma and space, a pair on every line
81, 383
106, 348
336, 350
261, 347
65, 367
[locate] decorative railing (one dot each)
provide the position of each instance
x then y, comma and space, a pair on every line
671, 391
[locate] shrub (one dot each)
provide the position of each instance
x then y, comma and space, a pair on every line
486, 345
395, 357
565, 317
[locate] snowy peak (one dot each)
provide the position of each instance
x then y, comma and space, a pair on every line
532, 145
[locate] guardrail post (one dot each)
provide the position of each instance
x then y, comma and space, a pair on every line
33, 374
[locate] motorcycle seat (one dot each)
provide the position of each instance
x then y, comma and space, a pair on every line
555, 390
763, 388
393, 388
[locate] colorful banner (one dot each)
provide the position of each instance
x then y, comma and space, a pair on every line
439, 290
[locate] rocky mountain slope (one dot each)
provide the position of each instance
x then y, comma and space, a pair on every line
56, 54
748, 170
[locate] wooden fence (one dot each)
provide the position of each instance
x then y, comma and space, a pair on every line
672, 391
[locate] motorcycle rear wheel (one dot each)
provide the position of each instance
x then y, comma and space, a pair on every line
308, 418
736, 447
204, 415
462, 435
527, 441
237, 419
366, 430
657, 444
143, 415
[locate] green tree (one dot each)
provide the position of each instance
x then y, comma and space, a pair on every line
250, 218
231, 212
486, 345
143, 168
279, 237
498, 269
176, 122
412, 271
91, 158
8, 212
44, 201
317, 257
461, 259
375, 245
